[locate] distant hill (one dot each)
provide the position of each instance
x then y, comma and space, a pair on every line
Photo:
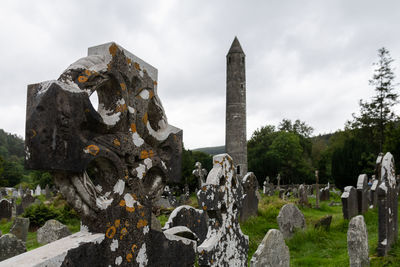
11, 145
213, 150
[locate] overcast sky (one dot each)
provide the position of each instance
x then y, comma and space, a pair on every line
307, 60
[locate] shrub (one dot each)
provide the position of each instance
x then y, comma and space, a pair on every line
39, 214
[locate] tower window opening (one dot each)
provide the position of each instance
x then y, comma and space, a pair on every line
229, 60
238, 170
243, 60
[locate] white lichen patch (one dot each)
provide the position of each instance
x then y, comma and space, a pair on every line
103, 202
114, 245
148, 162
146, 229
144, 94
162, 133
119, 187
131, 110
99, 188
141, 258
109, 116
137, 140
118, 260
141, 170
130, 201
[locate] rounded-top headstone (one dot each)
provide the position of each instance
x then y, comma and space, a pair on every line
289, 219
272, 251
51, 231
10, 246
357, 242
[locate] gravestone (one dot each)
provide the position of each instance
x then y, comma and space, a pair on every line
279, 181
362, 193
194, 219
281, 193
200, 173
324, 222
250, 199
112, 163
20, 192
220, 197
272, 251
5, 209
387, 205
47, 192
303, 198
349, 202
316, 190
373, 193
290, 219
38, 190
10, 246
51, 231
19, 210
20, 228
324, 194
27, 200
357, 242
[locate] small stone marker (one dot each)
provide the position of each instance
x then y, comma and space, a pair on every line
362, 193
387, 206
290, 218
349, 202
38, 190
250, 199
20, 228
303, 198
324, 222
373, 193
357, 242
5, 209
279, 181
272, 251
10, 246
324, 194
47, 191
51, 231
27, 200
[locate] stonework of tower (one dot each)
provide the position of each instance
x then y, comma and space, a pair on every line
235, 132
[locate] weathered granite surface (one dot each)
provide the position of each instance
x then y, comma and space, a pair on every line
10, 246
290, 219
357, 242
20, 228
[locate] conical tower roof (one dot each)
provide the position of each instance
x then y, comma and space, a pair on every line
236, 47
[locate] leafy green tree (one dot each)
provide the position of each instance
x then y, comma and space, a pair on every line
374, 115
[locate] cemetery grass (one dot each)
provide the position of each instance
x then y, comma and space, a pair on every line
316, 247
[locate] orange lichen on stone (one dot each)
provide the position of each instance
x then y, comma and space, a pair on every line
142, 214
151, 94
133, 248
111, 232
144, 154
204, 188
116, 142
128, 60
137, 66
121, 108
93, 149
141, 223
82, 79
129, 257
33, 133
123, 86
122, 203
133, 128
117, 223
130, 209
204, 207
113, 49
145, 118
155, 82
88, 72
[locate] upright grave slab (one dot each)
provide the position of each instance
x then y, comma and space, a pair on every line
349, 202
221, 198
387, 205
5, 209
373, 193
357, 242
250, 199
362, 193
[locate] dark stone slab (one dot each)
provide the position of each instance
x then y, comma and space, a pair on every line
5, 209
10, 246
324, 222
349, 202
250, 199
20, 228
362, 193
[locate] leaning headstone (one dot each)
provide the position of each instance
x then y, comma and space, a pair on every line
357, 242
362, 193
221, 196
250, 199
387, 206
51, 231
290, 218
10, 246
20, 228
5, 209
38, 190
194, 219
272, 251
349, 202
303, 198
27, 200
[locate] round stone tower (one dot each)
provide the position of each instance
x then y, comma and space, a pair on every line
235, 132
